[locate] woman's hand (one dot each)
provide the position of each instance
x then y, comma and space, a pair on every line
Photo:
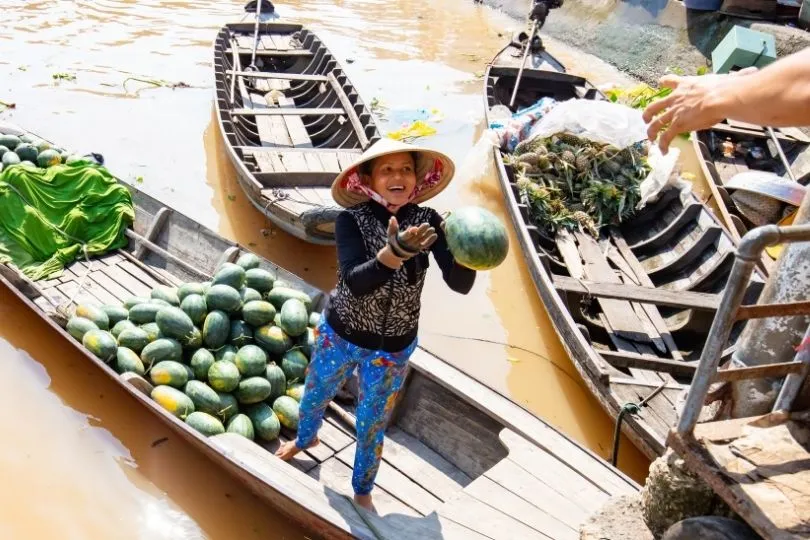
412, 241
695, 103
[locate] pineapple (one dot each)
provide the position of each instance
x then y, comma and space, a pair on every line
582, 162
570, 139
568, 157
529, 157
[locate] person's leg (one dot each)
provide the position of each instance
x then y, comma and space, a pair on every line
329, 367
381, 377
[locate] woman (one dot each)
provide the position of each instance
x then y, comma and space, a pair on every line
371, 320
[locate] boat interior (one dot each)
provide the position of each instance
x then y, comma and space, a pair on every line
294, 119
452, 454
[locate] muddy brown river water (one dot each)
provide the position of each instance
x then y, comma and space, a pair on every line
80, 459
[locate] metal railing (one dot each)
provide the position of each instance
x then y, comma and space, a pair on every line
748, 253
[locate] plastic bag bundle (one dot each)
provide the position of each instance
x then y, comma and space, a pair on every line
514, 128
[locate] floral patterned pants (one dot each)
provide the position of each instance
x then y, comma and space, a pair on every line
381, 376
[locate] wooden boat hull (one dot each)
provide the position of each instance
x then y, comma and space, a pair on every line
453, 447
665, 269
719, 169
291, 126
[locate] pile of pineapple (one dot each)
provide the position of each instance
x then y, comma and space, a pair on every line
570, 182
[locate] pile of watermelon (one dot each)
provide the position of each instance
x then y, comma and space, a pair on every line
229, 355
32, 151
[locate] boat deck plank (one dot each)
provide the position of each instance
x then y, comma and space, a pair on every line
482, 518
295, 125
513, 503
761, 471
127, 281
338, 476
554, 444
422, 465
397, 484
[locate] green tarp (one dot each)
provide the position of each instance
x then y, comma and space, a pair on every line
48, 215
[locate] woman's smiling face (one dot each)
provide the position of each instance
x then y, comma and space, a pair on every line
394, 177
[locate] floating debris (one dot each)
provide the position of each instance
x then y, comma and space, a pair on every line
413, 131
63, 76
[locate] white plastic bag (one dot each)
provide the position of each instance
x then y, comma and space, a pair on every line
664, 173
598, 121
478, 162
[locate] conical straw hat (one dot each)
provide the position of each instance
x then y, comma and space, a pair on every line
434, 170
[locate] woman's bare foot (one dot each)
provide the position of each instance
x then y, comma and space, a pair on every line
365, 502
288, 450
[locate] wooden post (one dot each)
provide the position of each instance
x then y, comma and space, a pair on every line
772, 340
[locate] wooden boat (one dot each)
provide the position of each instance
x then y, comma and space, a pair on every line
633, 307
460, 460
751, 150
291, 125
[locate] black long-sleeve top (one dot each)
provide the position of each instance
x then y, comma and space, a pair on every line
363, 274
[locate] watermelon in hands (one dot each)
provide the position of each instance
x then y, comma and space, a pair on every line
476, 238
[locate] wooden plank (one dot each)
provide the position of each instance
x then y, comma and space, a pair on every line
513, 504
71, 291
270, 52
158, 221
295, 126
559, 475
282, 42
456, 430
346, 159
291, 484
726, 430
294, 161
329, 161
570, 254
763, 476
283, 76
620, 359
358, 126
117, 290
302, 461
571, 454
111, 259
397, 484
682, 299
286, 112
518, 479
57, 298
313, 163
332, 435
482, 518
319, 452
139, 274
778, 369
623, 320
278, 127
268, 126
635, 393
338, 476
422, 465
265, 163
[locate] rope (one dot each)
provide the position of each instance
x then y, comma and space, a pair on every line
62, 307
632, 408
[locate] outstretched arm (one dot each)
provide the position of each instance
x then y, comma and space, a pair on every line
777, 95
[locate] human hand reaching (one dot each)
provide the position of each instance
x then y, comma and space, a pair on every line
403, 245
411, 241
694, 104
